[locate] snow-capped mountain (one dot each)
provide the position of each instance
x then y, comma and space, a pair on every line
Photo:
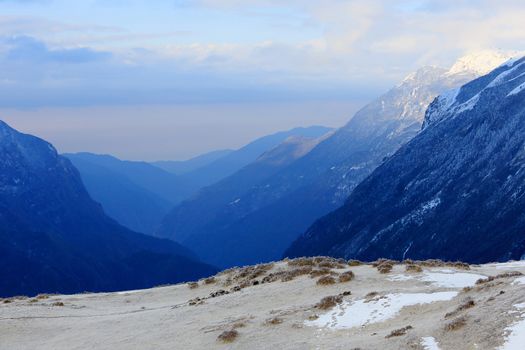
482, 62
271, 214
454, 192
55, 238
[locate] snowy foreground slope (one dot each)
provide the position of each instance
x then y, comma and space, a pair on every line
429, 305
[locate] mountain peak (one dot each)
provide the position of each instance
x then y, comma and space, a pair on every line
481, 62
465, 98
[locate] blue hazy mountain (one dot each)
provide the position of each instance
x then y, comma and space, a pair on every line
161, 183
232, 162
139, 194
213, 204
132, 205
454, 192
182, 167
55, 238
270, 213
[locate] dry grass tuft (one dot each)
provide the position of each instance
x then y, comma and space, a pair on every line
193, 285
456, 324
58, 303
240, 324
228, 336
210, 280
302, 262
196, 301
413, 268
467, 304
274, 321
399, 332
321, 272
385, 268
354, 263
346, 276
218, 293
432, 263
500, 276
325, 281
42, 296
459, 265
329, 302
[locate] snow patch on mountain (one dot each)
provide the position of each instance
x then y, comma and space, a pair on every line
517, 90
481, 62
450, 105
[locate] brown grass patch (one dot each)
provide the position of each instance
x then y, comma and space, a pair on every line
413, 268
42, 296
58, 303
346, 277
325, 281
210, 280
399, 332
302, 262
321, 272
467, 304
193, 285
329, 302
456, 324
354, 263
385, 268
228, 336
274, 321
500, 276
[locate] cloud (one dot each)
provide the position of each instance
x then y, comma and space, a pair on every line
303, 48
25, 48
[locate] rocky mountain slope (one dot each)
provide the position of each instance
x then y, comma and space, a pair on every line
55, 238
271, 214
316, 303
454, 192
202, 212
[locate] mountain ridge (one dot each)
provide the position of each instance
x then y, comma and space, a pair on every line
457, 182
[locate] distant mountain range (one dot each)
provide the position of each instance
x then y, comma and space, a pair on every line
139, 195
258, 221
236, 160
454, 192
55, 238
187, 166
223, 199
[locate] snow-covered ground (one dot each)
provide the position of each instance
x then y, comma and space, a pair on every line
427, 310
363, 312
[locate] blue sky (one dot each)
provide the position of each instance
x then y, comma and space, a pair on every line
96, 75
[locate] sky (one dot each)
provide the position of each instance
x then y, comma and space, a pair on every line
169, 79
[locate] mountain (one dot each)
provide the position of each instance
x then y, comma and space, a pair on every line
236, 160
55, 238
271, 214
198, 215
163, 184
136, 194
139, 194
454, 192
122, 199
187, 166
